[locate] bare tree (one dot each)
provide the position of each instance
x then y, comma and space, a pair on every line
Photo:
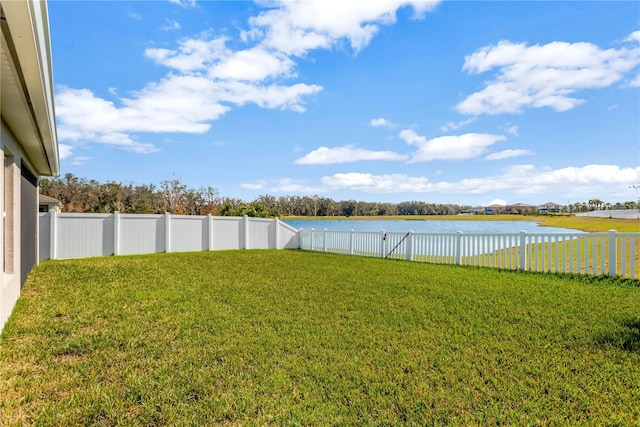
172, 196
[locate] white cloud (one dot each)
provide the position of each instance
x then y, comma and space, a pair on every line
170, 25
590, 180
194, 54
507, 154
84, 117
346, 154
253, 64
80, 160
258, 185
272, 96
208, 78
297, 27
65, 151
210, 56
512, 129
635, 82
392, 183
80, 112
379, 122
459, 147
543, 76
133, 15
184, 3
633, 37
454, 126
411, 137
287, 185
185, 104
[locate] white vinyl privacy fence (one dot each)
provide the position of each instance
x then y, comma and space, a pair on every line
77, 235
613, 213
608, 253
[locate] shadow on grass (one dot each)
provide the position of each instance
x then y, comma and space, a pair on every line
626, 337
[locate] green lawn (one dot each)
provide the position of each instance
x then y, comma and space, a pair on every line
299, 338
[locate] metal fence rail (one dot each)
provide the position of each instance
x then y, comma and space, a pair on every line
609, 253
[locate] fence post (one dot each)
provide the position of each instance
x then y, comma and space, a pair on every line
324, 241
167, 232
383, 244
246, 232
210, 232
459, 248
352, 238
53, 235
312, 238
277, 236
410, 246
116, 233
613, 264
523, 250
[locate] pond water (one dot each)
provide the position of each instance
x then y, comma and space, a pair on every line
427, 226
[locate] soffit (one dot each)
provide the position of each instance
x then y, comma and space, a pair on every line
26, 101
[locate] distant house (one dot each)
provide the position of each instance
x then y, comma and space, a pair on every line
48, 204
494, 210
549, 207
519, 209
29, 146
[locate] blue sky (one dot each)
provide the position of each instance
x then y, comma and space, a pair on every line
446, 102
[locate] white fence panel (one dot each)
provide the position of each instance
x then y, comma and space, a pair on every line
629, 248
188, 233
287, 236
227, 233
367, 244
83, 235
338, 242
261, 233
142, 234
44, 237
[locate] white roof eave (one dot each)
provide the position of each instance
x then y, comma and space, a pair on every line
29, 61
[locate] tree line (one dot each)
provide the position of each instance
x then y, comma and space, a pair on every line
82, 195
597, 204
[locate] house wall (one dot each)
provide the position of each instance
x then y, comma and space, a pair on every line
28, 143
19, 202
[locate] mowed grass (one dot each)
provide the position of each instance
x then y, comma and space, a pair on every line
299, 338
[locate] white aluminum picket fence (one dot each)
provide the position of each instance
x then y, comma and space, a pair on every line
608, 253
79, 235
